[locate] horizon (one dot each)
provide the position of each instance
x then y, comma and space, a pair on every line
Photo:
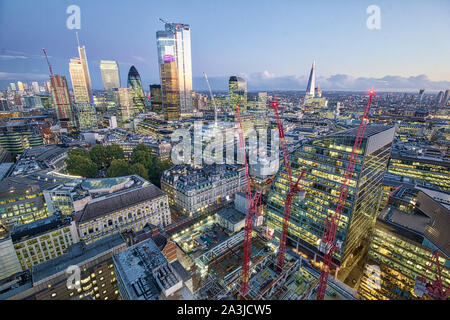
341, 62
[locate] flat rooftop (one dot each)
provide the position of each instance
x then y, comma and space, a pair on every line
76, 255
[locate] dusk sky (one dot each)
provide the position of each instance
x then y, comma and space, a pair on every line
270, 43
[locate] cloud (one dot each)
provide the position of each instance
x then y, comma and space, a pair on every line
269, 81
23, 76
6, 54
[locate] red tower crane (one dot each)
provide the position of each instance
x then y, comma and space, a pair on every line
433, 288
252, 202
48, 62
293, 189
327, 244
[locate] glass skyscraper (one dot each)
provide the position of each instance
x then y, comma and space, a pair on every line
80, 78
325, 160
237, 89
156, 98
110, 74
61, 98
170, 92
135, 85
175, 41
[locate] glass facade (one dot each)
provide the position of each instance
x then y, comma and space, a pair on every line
175, 41
325, 160
61, 98
156, 98
87, 117
137, 93
399, 259
110, 74
170, 92
433, 170
237, 90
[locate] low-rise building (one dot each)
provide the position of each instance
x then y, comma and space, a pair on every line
125, 210
191, 190
143, 273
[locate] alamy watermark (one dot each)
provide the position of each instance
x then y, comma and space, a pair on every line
373, 22
218, 145
74, 20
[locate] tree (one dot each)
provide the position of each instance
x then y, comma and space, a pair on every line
114, 152
98, 154
118, 168
139, 169
81, 166
78, 152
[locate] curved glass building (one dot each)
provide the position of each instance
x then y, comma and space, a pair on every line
237, 87
134, 83
325, 160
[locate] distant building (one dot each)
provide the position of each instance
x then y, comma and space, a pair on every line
81, 90
110, 74
170, 89
237, 93
63, 105
156, 98
175, 41
137, 93
87, 116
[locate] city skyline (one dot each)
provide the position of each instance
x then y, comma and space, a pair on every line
344, 66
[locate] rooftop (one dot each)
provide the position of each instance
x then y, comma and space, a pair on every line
123, 199
371, 130
38, 227
76, 255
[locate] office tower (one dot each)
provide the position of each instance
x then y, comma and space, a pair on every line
87, 116
237, 90
311, 81
175, 41
439, 97
156, 98
261, 122
446, 97
421, 94
125, 99
61, 98
318, 92
35, 87
48, 86
135, 85
79, 85
170, 89
79, 75
12, 86
110, 74
20, 86
4, 105
325, 160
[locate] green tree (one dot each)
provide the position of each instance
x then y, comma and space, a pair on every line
81, 166
99, 155
118, 168
114, 152
78, 152
139, 169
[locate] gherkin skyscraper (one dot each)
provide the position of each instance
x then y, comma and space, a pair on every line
134, 83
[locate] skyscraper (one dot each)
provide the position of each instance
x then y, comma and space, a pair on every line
421, 94
170, 89
156, 98
20, 86
110, 74
312, 81
325, 160
126, 110
237, 90
79, 75
446, 97
137, 93
439, 97
61, 98
175, 41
